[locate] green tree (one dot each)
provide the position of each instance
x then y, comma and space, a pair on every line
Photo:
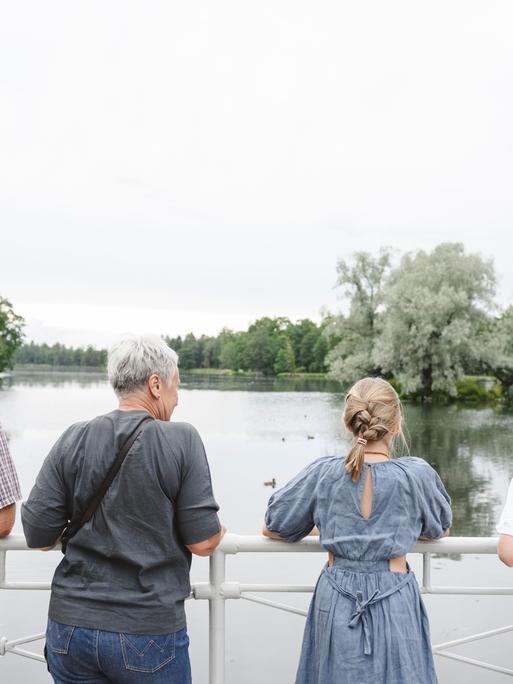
284, 361
319, 352
496, 343
363, 279
11, 333
232, 349
190, 352
435, 304
262, 344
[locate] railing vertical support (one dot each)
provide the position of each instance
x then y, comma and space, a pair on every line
2, 568
217, 575
426, 572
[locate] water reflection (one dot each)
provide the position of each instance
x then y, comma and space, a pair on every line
469, 446
241, 383
29, 378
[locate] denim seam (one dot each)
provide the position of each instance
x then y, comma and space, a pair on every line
65, 649
97, 650
123, 640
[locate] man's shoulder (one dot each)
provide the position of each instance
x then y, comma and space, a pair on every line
175, 429
180, 437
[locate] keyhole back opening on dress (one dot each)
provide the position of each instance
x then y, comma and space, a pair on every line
366, 497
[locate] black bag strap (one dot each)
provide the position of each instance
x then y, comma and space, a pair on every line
80, 519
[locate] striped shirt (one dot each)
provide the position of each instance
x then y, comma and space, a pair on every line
9, 486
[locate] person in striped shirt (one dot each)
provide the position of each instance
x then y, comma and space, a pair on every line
9, 488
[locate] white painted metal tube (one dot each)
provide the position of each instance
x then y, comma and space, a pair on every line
236, 543
278, 588
275, 604
476, 663
217, 610
472, 637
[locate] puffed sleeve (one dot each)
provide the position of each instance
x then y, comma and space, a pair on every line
435, 504
290, 511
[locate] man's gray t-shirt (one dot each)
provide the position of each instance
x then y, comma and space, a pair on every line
127, 569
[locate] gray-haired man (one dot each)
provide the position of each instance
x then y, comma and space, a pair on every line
117, 602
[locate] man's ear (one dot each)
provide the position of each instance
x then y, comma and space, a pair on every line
154, 384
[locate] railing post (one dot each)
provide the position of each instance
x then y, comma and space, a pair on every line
2, 567
426, 572
217, 575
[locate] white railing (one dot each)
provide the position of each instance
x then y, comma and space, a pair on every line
217, 590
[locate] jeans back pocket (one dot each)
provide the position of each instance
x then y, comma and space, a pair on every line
145, 653
58, 636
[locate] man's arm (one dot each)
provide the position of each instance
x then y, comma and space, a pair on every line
7, 516
44, 514
208, 546
195, 508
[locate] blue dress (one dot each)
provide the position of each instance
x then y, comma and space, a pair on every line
365, 625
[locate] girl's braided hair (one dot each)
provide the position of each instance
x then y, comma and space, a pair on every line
372, 411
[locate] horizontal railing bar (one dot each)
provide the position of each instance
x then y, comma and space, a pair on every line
17, 542
25, 585
469, 591
236, 543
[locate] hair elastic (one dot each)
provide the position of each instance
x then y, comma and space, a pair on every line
361, 440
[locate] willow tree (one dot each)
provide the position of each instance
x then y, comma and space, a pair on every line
496, 343
435, 303
11, 335
362, 280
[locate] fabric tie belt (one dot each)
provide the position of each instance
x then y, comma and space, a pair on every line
361, 605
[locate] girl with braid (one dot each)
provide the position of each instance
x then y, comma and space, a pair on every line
367, 623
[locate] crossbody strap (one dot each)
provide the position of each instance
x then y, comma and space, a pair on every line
80, 519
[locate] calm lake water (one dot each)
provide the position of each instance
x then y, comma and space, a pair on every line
255, 430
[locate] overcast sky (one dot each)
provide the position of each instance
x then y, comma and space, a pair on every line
176, 166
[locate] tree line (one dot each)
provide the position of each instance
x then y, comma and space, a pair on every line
61, 356
425, 321
270, 346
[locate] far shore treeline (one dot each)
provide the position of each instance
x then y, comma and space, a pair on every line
428, 322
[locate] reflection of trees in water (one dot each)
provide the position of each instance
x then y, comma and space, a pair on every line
465, 445
53, 379
243, 383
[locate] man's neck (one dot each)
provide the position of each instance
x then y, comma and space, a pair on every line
135, 402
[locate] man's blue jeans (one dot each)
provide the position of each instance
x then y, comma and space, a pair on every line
92, 656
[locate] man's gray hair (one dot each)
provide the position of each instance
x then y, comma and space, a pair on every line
132, 360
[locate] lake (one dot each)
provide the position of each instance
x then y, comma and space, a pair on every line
256, 430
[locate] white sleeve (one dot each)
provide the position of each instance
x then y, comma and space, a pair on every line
505, 524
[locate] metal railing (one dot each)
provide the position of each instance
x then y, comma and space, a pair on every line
218, 590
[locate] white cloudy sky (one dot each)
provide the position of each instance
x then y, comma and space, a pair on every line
175, 166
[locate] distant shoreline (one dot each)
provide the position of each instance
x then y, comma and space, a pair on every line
222, 372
